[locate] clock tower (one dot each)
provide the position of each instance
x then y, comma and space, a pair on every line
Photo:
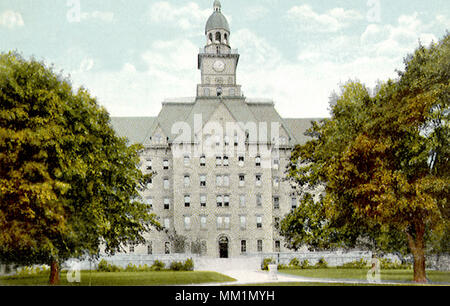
217, 61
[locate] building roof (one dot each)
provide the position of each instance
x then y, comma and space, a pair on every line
140, 129
217, 21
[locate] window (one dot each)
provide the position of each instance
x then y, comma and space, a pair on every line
167, 248
258, 180
276, 203
276, 164
187, 181
294, 203
258, 200
242, 201
243, 222
187, 160
218, 37
166, 203
259, 246
258, 221
226, 180
223, 222
276, 182
167, 223
187, 223
219, 180
241, 160
187, 201
241, 180
276, 223
219, 201
148, 164
219, 222
202, 200
203, 222
166, 183
202, 180
226, 161
277, 246
236, 140
202, 161
258, 161
131, 247
226, 140
218, 161
150, 183
149, 202
226, 201
166, 164
149, 248
226, 221
243, 246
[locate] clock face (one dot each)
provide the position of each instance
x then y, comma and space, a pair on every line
219, 66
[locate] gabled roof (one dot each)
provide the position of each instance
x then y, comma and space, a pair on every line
135, 129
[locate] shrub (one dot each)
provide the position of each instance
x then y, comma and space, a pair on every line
294, 263
387, 264
321, 264
131, 268
357, 264
305, 264
189, 265
266, 262
282, 267
104, 266
157, 266
176, 266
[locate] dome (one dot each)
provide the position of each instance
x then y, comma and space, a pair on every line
217, 20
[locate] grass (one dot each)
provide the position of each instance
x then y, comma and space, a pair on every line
165, 278
361, 274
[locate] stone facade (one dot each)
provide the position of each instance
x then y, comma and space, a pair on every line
218, 160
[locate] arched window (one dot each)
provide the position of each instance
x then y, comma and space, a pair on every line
210, 38
218, 37
225, 38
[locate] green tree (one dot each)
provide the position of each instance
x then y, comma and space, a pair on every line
383, 161
68, 184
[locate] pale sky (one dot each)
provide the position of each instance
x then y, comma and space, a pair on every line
132, 54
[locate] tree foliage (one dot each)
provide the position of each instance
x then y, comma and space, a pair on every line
68, 184
383, 161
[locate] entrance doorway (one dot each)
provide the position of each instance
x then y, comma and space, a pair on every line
223, 247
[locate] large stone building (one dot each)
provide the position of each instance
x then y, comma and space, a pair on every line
218, 160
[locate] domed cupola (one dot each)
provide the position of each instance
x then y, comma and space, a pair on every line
217, 29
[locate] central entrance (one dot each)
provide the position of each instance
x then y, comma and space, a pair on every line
223, 247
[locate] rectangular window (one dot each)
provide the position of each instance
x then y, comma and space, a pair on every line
258, 161
226, 161
203, 222
277, 246
219, 222
187, 181
236, 140
148, 164
276, 182
219, 201
187, 160
167, 223
276, 164
131, 247
226, 140
242, 201
166, 164
226, 201
259, 244
166, 184
202, 200
226, 180
259, 222
219, 180
243, 222
258, 200
226, 221
187, 223
149, 248
167, 248
241, 160
294, 203
150, 183
276, 223
241, 180
202, 161
166, 203
276, 203
202, 180
187, 201
258, 180
243, 246
218, 161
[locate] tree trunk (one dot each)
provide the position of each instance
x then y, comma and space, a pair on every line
54, 273
417, 245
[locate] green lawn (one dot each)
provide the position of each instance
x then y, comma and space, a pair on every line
386, 275
123, 279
